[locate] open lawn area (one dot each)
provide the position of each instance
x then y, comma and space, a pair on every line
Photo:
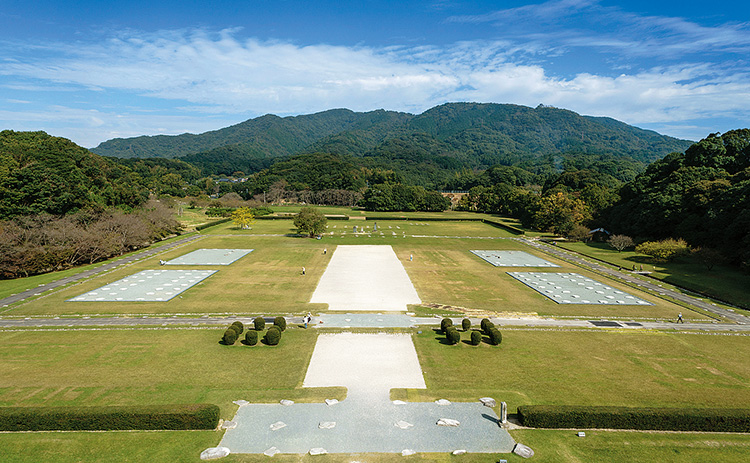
269, 281
141, 367
624, 368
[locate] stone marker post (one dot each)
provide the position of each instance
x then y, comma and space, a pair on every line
503, 412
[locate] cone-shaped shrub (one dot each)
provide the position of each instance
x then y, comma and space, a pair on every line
452, 335
251, 337
259, 323
280, 322
273, 336
476, 338
466, 324
496, 337
230, 336
445, 323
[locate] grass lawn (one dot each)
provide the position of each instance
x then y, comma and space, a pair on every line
111, 367
549, 446
625, 368
103, 447
722, 282
632, 447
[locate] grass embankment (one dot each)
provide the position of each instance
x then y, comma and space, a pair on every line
723, 282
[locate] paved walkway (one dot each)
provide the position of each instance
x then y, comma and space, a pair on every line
358, 320
575, 258
87, 273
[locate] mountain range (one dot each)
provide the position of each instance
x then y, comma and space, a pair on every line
451, 136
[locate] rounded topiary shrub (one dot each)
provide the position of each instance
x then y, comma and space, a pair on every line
476, 338
486, 326
496, 337
466, 324
273, 336
259, 323
445, 323
230, 336
251, 337
452, 335
240, 327
280, 322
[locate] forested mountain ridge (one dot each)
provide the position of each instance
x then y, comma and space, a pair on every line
40, 173
476, 135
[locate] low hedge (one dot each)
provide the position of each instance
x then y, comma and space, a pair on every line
476, 338
211, 224
146, 417
280, 322
445, 324
259, 323
658, 419
466, 324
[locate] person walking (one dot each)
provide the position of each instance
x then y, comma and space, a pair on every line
679, 318
307, 319
303, 270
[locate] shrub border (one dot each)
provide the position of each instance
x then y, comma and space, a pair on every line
109, 418
655, 419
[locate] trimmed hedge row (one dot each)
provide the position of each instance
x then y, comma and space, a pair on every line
147, 417
504, 226
658, 419
211, 224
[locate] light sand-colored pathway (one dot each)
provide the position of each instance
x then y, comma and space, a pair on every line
369, 278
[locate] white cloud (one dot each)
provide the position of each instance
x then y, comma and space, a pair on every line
209, 74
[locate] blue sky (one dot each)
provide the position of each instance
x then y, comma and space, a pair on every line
93, 70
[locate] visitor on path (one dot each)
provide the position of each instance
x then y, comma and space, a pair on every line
325, 250
411, 257
307, 319
303, 270
679, 318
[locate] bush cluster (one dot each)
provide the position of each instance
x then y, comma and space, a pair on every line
238, 327
230, 336
251, 337
659, 419
452, 335
476, 338
496, 337
466, 324
445, 324
146, 417
486, 325
273, 336
259, 323
280, 322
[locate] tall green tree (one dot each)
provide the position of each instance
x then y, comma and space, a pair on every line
310, 221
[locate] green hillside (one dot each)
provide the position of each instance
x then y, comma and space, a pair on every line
472, 135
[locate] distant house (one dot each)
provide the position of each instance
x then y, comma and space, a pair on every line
599, 234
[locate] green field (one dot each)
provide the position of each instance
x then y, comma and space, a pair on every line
269, 279
532, 366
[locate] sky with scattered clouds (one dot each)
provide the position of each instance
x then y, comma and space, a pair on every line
90, 71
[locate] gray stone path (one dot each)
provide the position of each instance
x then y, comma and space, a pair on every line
359, 320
